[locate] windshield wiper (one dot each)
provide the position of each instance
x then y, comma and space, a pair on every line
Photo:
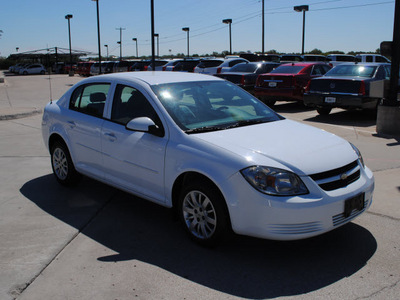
204, 129
246, 122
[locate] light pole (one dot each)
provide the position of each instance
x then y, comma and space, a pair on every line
229, 22
120, 42
153, 63
68, 17
302, 8
107, 50
17, 48
98, 33
135, 40
158, 44
187, 30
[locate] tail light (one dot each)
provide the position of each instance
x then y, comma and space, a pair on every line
362, 89
145, 68
219, 70
164, 68
307, 88
242, 81
294, 80
258, 81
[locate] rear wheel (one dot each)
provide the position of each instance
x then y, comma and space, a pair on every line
203, 213
62, 165
323, 111
269, 102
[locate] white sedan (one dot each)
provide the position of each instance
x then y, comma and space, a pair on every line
32, 69
221, 158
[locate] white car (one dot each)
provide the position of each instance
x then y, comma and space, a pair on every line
218, 65
32, 69
220, 157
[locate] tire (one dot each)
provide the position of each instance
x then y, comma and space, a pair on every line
25, 73
270, 103
203, 213
42, 72
62, 165
324, 111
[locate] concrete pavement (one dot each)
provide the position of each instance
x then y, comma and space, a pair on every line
94, 242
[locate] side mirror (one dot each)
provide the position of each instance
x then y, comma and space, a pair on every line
145, 124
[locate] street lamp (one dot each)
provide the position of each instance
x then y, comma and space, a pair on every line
17, 48
120, 42
98, 33
229, 22
107, 49
187, 30
135, 40
158, 44
68, 17
302, 8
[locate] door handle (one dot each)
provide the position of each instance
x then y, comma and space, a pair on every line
110, 136
71, 124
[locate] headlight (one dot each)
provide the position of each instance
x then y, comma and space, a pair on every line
273, 181
360, 158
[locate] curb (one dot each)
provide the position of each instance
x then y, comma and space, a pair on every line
18, 112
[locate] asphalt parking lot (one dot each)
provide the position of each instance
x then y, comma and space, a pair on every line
95, 242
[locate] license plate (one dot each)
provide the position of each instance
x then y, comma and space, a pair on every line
353, 203
330, 99
272, 84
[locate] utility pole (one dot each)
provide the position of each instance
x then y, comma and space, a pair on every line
120, 42
262, 39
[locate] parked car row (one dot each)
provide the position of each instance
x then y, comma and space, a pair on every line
27, 69
317, 85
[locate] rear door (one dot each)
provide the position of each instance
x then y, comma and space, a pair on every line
83, 125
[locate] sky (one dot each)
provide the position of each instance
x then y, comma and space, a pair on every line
344, 25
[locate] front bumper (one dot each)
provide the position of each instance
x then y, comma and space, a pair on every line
290, 218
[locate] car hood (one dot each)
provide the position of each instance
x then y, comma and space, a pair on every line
284, 144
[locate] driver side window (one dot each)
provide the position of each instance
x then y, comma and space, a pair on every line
129, 103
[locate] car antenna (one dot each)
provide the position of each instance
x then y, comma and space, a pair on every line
51, 94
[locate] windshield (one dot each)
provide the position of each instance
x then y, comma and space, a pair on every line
211, 105
352, 70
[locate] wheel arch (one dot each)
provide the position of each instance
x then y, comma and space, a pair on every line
55, 137
189, 176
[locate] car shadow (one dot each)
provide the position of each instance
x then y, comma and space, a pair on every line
358, 118
243, 266
290, 107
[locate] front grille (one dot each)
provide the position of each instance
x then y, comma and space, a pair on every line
337, 178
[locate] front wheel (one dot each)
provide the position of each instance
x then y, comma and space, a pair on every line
203, 213
62, 165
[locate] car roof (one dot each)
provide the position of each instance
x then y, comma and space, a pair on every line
374, 64
153, 77
304, 63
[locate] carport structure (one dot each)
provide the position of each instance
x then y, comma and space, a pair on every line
49, 56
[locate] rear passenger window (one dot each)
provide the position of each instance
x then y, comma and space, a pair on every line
90, 99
